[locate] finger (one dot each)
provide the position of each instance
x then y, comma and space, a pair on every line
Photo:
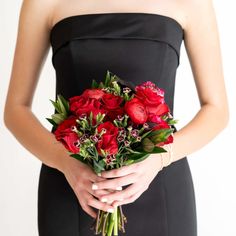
116, 182
91, 201
121, 195
96, 193
128, 200
94, 177
124, 170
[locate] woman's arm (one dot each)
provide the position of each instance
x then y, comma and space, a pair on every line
31, 50
203, 49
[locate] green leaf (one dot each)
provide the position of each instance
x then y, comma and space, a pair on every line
160, 132
91, 118
61, 105
64, 102
131, 150
162, 135
128, 162
94, 84
78, 157
147, 145
98, 166
51, 121
107, 79
58, 118
101, 85
158, 149
138, 157
146, 134
56, 106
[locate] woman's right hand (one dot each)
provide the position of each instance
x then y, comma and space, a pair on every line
81, 177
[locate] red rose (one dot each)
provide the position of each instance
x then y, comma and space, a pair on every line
164, 125
93, 93
135, 109
108, 140
158, 110
84, 105
154, 118
111, 101
149, 93
112, 114
152, 97
64, 134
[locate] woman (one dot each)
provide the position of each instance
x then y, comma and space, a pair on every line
137, 41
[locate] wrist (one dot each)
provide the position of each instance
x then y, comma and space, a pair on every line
61, 161
167, 157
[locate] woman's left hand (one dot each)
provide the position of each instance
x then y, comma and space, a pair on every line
139, 175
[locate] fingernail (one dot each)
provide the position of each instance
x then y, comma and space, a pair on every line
99, 174
104, 199
111, 210
94, 186
119, 188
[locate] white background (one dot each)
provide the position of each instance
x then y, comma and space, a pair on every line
213, 166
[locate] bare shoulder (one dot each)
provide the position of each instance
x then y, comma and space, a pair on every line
197, 13
37, 12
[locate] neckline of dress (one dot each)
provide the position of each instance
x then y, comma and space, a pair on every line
77, 16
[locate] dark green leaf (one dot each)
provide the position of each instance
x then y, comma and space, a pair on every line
158, 149
61, 105
137, 157
58, 118
52, 121
162, 136
56, 106
147, 145
94, 84
64, 102
79, 157
98, 166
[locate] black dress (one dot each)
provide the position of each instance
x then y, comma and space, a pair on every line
137, 47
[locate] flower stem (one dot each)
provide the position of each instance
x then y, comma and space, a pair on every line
111, 224
104, 224
116, 221
97, 222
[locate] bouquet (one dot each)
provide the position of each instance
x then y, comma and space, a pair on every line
110, 125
